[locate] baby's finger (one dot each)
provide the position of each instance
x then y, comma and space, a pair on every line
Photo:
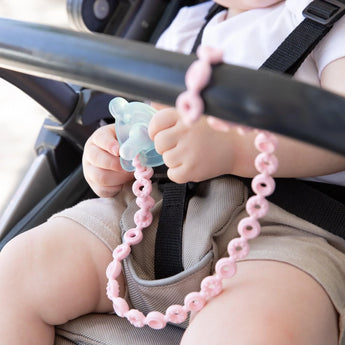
105, 138
163, 119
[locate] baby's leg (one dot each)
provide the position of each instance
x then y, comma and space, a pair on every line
266, 303
49, 275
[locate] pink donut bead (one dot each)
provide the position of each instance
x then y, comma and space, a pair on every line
249, 228
145, 173
145, 203
176, 314
155, 320
263, 185
238, 248
257, 206
120, 306
143, 218
266, 142
211, 286
198, 75
226, 268
136, 318
121, 251
133, 236
190, 106
142, 188
194, 301
113, 289
114, 269
266, 163
210, 54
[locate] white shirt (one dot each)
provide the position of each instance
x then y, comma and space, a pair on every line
250, 37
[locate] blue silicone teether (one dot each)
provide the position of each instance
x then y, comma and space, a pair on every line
131, 123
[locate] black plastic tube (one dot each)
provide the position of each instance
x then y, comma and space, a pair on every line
259, 99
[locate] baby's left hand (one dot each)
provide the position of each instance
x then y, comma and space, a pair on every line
192, 153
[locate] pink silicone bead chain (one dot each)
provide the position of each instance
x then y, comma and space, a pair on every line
191, 105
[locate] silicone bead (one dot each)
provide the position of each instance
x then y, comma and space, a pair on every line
145, 203
113, 269
155, 320
263, 185
257, 206
266, 163
226, 268
142, 219
238, 248
249, 228
145, 173
133, 236
266, 142
113, 289
194, 301
190, 105
198, 75
121, 251
136, 318
142, 187
211, 286
176, 314
120, 306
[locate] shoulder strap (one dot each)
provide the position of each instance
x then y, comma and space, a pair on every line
320, 16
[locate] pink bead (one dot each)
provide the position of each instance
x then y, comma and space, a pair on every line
155, 320
257, 206
120, 306
263, 185
190, 106
249, 228
210, 54
113, 289
113, 269
238, 248
176, 314
194, 301
218, 124
133, 236
266, 163
145, 173
198, 75
121, 251
145, 203
211, 286
266, 142
136, 318
226, 268
142, 188
143, 218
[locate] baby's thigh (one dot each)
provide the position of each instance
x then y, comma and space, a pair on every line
59, 269
266, 302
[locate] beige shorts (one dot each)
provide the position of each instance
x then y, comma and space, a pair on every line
211, 222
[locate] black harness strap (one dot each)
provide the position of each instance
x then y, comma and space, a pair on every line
168, 246
320, 16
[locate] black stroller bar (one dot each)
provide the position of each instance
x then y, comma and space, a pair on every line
259, 99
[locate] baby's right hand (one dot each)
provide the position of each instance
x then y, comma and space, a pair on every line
101, 163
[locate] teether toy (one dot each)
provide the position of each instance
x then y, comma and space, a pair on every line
131, 123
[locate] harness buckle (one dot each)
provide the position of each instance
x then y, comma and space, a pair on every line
325, 12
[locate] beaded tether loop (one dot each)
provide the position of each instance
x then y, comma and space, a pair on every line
191, 106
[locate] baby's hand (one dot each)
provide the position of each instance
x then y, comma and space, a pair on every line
101, 163
192, 153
